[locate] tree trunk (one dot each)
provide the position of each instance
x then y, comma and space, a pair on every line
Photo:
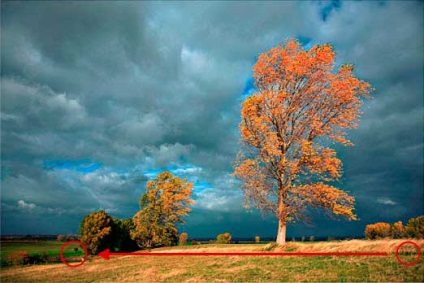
281, 236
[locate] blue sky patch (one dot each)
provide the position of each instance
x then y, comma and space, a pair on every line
249, 87
328, 7
82, 166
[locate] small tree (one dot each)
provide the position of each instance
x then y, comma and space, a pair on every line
183, 239
257, 239
163, 206
311, 238
151, 231
398, 230
378, 230
415, 227
96, 231
223, 238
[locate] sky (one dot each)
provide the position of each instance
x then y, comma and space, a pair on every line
99, 97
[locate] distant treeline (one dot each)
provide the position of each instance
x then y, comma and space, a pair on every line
28, 237
380, 230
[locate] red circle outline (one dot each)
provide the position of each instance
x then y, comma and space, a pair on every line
413, 262
62, 257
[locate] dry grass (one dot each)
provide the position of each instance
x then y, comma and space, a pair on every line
234, 268
211, 248
385, 245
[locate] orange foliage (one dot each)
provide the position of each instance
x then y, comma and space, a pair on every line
398, 230
378, 230
163, 206
172, 194
302, 107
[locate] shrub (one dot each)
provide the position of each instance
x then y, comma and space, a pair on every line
223, 238
415, 227
18, 258
121, 235
183, 239
257, 239
398, 230
311, 238
45, 257
378, 230
96, 231
35, 258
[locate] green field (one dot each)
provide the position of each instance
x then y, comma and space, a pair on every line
236, 268
51, 248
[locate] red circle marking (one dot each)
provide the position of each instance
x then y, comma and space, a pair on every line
62, 257
409, 263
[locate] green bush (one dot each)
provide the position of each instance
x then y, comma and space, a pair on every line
24, 258
223, 238
415, 227
96, 231
398, 230
121, 235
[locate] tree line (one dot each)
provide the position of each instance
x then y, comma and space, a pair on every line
164, 205
413, 229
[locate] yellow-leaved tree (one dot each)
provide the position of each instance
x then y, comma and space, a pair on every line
164, 205
301, 107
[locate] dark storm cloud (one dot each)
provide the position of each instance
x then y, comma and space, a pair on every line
137, 87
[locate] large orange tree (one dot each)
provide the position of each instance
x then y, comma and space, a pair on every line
302, 107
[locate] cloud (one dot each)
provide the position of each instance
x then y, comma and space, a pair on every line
385, 201
24, 205
119, 91
29, 103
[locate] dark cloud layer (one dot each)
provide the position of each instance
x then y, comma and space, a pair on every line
116, 91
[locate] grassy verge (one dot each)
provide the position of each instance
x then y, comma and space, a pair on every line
227, 268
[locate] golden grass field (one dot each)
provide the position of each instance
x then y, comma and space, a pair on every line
237, 268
